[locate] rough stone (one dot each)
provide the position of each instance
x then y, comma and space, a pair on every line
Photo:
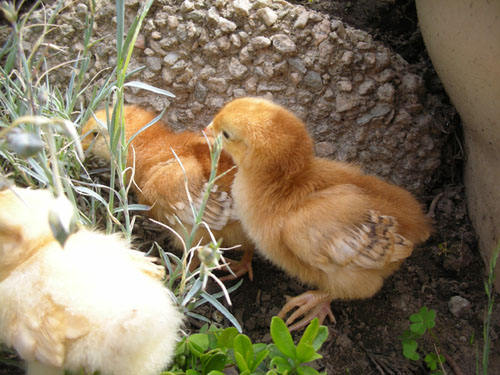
301, 20
226, 25
153, 63
237, 69
171, 58
268, 16
458, 305
344, 86
313, 80
386, 92
242, 7
297, 64
320, 31
324, 149
200, 92
344, 102
187, 6
260, 42
217, 84
411, 83
283, 44
366, 87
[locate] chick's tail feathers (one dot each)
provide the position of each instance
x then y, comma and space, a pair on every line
371, 245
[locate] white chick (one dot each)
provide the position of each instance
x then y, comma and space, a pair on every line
94, 305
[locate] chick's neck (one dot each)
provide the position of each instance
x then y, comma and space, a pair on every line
278, 185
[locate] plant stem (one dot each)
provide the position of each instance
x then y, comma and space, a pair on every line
488, 286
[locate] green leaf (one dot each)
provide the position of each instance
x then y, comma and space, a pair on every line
408, 336
305, 352
213, 361
275, 352
200, 339
432, 361
320, 338
198, 344
282, 337
240, 362
226, 338
145, 86
410, 350
243, 346
310, 332
259, 357
192, 372
423, 320
281, 365
306, 370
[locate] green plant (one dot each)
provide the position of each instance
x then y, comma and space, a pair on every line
189, 286
422, 322
212, 350
490, 293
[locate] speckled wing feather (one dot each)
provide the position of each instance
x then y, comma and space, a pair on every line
372, 244
164, 188
218, 210
336, 227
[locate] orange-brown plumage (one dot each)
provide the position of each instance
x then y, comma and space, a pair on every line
159, 179
322, 221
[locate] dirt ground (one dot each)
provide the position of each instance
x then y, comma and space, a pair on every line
364, 339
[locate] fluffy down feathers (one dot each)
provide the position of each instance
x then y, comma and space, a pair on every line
94, 304
159, 180
324, 222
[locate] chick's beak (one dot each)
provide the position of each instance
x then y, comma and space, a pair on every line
209, 130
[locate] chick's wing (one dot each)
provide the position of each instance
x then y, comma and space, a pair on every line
164, 189
337, 226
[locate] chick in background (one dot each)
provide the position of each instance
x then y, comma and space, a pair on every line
159, 179
324, 222
95, 304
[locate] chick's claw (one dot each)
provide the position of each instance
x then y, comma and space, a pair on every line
311, 304
239, 268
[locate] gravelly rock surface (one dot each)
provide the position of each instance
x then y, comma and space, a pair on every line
361, 101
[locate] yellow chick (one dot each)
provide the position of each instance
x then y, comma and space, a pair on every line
322, 221
159, 179
94, 305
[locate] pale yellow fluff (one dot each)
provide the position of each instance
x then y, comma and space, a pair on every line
95, 305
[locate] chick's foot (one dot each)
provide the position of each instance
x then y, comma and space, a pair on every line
239, 268
311, 304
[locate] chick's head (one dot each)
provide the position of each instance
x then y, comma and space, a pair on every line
258, 132
21, 230
95, 136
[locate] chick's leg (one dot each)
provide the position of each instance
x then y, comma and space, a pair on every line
242, 267
311, 304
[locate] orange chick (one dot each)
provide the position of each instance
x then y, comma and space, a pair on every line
322, 221
92, 305
159, 179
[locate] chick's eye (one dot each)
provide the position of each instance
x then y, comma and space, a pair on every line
225, 134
